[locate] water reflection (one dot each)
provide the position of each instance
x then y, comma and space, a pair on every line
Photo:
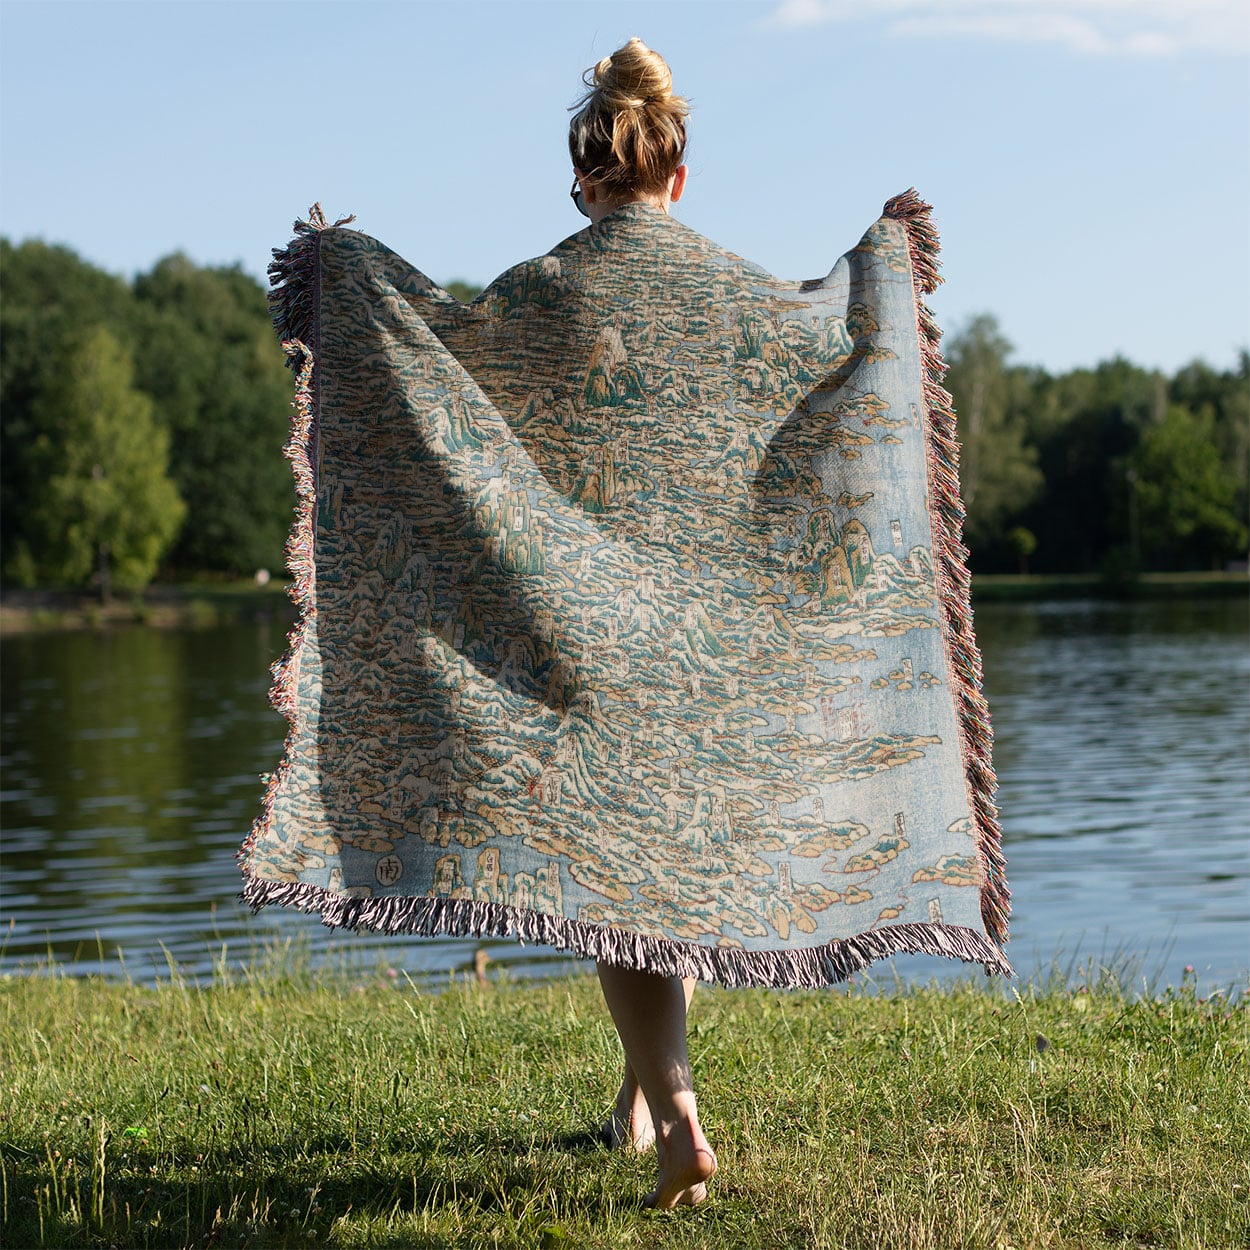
131, 762
1122, 732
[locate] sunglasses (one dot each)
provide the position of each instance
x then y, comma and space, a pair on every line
576, 196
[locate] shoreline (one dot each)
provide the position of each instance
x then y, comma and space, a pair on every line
205, 604
1030, 587
174, 606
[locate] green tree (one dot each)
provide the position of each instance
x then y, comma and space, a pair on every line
208, 357
1222, 398
462, 290
106, 508
1085, 425
1024, 543
51, 298
1186, 494
997, 468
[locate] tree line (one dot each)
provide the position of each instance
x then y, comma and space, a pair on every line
142, 424
1113, 470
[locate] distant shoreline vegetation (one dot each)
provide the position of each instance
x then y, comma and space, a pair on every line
198, 604
144, 421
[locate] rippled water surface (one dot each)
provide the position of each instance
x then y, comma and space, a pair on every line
131, 761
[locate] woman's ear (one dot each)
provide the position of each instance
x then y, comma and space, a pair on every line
589, 186
678, 185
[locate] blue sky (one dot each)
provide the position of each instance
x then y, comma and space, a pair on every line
1089, 160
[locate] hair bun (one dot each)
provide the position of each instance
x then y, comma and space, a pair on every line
629, 130
633, 76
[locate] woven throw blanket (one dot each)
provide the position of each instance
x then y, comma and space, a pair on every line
634, 615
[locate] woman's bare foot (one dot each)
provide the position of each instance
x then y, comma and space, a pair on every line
629, 1126
649, 1012
686, 1165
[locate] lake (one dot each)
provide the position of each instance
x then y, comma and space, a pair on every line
130, 774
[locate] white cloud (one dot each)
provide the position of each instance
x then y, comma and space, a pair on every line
1144, 28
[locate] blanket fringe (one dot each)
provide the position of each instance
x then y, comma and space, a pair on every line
951, 563
293, 304
293, 276
790, 969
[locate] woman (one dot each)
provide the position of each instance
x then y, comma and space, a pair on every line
628, 141
635, 615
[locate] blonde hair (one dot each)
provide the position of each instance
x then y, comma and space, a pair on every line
629, 132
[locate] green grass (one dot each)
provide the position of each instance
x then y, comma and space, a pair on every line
279, 1108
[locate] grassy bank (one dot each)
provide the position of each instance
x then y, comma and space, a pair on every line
281, 1110
213, 603
1011, 587
195, 604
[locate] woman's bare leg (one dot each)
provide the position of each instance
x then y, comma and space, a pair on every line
649, 1012
629, 1126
